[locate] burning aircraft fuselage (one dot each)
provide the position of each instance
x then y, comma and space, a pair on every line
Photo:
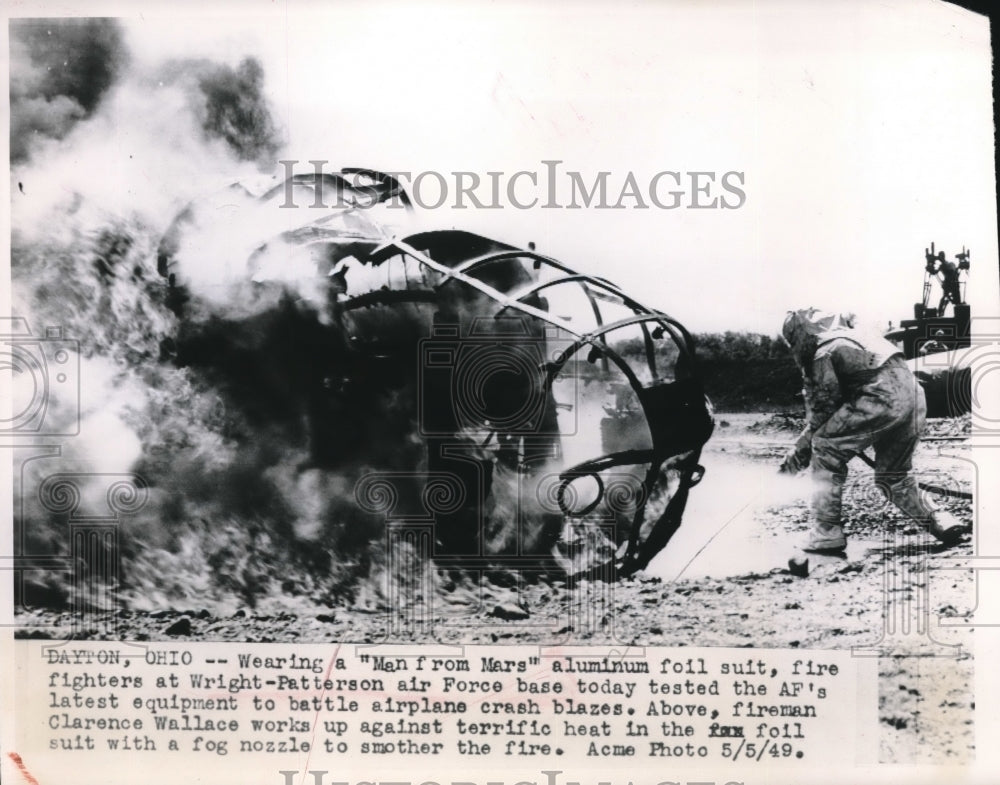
533, 413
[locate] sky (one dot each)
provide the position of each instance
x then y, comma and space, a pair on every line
860, 133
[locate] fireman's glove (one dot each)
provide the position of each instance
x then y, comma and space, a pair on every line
798, 458
792, 464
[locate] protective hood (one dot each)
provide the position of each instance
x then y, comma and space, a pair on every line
805, 329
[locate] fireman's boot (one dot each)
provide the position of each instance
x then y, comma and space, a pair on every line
827, 533
941, 524
825, 537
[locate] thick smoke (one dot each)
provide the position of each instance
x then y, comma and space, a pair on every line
106, 154
253, 400
236, 112
61, 70
229, 105
214, 405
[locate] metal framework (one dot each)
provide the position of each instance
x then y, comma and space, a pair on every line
677, 442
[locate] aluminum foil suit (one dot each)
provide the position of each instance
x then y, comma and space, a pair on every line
539, 418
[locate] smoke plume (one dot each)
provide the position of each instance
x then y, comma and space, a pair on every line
236, 112
61, 69
106, 153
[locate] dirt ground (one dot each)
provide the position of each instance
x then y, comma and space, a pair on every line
724, 580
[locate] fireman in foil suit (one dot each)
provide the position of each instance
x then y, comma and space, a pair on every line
859, 393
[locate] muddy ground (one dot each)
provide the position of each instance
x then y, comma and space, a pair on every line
723, 581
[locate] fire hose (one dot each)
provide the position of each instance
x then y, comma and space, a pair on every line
923, 485
954, 494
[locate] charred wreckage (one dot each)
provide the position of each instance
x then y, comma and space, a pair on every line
536, 415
